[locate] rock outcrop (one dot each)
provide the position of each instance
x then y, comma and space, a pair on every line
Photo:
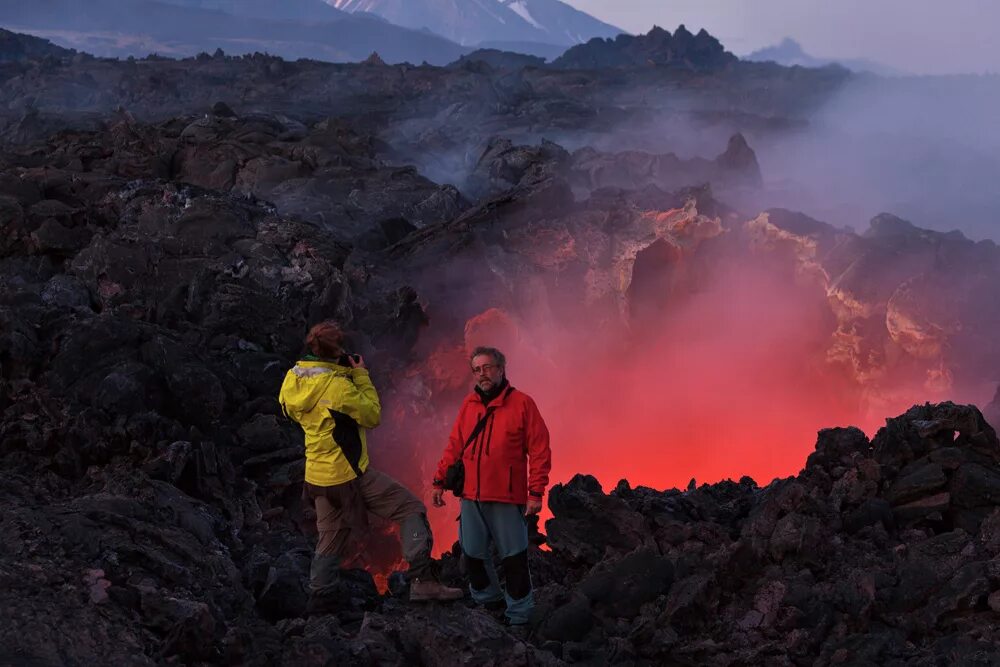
682, 49
498, 59
736, 167
873, 544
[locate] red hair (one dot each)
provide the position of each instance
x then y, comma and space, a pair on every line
326, 340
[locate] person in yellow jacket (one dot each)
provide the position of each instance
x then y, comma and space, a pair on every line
331, 396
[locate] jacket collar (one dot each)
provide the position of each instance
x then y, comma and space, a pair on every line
476, 396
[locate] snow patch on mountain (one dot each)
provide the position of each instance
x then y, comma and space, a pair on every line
522, 10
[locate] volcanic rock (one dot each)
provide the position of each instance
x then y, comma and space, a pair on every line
634, 169
373, 59
657, 47
497, 59
503, 167
579, 502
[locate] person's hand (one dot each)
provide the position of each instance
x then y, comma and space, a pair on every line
356, 361
533, 506
437, 498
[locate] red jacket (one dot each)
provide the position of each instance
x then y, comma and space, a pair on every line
510, 457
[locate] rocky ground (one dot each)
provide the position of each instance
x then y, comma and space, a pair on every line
160, 262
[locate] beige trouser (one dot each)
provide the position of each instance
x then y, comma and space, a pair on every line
384, 497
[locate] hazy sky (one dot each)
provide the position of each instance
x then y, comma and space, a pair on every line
919, 36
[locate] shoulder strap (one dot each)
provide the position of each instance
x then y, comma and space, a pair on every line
482, 422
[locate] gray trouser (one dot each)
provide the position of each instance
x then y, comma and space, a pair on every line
489, 525
386, 498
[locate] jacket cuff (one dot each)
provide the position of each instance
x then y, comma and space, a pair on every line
359, 372
536, 494
437, 484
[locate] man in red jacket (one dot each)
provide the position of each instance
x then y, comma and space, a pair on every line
507, 467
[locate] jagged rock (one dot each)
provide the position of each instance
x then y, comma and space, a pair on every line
222, 109
975, 485
504, 166
576, 507
571, 621
65, 291
444, 635
373, 59
916, 480
927, 506
657, 47
499, 59
188, 624
593, 170
837, 447
284, 594
740, 162
620, 587
264, 433
927, 428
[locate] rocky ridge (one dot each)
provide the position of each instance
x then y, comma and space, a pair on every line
681, 49
16, 47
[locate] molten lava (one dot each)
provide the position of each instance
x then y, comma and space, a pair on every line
377, 551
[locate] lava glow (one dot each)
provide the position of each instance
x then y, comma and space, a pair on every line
732, 379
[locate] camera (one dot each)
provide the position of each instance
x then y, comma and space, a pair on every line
346, 358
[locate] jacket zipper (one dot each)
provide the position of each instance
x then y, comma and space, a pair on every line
479, 460
479, 464
489, 438
510, 480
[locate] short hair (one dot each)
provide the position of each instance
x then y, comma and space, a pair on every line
497, 355
326, 339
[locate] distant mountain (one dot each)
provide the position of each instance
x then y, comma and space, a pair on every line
790, 53
561, 23
472, 22
290, 28
287, 10
15, 47
657, 47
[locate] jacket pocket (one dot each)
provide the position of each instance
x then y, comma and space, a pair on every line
510, 479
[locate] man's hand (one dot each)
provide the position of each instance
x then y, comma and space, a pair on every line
534, 506
356, 361
437, 498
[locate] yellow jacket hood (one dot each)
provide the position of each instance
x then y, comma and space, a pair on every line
306, 383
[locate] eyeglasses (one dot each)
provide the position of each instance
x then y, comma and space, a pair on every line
485, 368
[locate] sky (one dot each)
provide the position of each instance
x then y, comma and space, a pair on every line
916, 36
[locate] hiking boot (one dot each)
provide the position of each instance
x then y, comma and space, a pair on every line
428, 589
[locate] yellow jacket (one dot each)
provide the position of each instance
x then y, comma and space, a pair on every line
334, 405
